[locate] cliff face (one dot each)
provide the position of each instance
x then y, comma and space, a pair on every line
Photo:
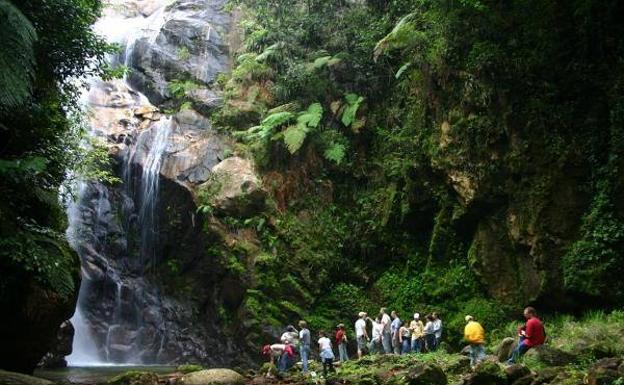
433, 188
152, 292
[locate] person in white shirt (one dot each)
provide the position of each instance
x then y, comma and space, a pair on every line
376, 341
437, 329
429, 334
326, 353
361, 334
386, 338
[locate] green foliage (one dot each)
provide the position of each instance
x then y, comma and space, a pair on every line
189, 368
306, 121
335, 152
181, 88
44, 137
134, 377
17, 37
353, 104
43, 253
593, 266
183, 54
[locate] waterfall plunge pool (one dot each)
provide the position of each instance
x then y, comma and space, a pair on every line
96, 375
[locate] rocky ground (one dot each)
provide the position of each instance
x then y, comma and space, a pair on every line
544, 366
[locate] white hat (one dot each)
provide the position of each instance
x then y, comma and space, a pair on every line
469, 318
361, 314
416, 316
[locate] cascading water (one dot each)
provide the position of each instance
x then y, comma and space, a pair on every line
131, 236
93, 208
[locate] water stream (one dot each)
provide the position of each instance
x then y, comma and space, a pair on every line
113, 337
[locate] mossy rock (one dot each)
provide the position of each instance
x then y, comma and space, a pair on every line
486, 373
213, 377
426, 374
550, 356
135, 378
11, 378
189, 368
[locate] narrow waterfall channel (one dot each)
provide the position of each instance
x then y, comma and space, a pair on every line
117, 340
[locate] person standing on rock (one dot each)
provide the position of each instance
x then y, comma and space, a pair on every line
305, 343
386, 336
474, 334
418, 333
533, 333
429, 334
395, 326
360, 334
326, 353
437, 329
341, 341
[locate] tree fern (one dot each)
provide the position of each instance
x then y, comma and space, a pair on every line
17, 60
266, 127
295, 135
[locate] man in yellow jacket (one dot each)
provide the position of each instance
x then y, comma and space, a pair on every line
474, 334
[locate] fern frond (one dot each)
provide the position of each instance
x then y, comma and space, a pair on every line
277, 119
403, 34
270, 52
312, 117
294, 137
335, 153
350, 111
17, 61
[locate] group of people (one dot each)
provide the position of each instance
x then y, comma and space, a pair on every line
390, 335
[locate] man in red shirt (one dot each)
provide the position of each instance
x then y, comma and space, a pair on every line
533, 334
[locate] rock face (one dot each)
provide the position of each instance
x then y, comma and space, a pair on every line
61, 347
236, 189
151, 291
10, 378
213, 377
606, 371
191, 44
30, 330
426, 374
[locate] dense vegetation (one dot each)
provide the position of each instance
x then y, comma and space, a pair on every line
47, 46
459, 156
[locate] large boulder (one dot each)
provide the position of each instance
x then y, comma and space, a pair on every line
135, 378
235, 188
550, 356
32, 314
486, 373
213, 377
504, 349
10, 378
426, 374
61, 348
516, 372
606, 371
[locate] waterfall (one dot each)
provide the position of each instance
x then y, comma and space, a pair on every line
150, 178
106, 248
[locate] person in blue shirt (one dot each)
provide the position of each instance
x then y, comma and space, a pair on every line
394, 329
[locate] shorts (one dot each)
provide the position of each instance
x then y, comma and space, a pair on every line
362, 343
